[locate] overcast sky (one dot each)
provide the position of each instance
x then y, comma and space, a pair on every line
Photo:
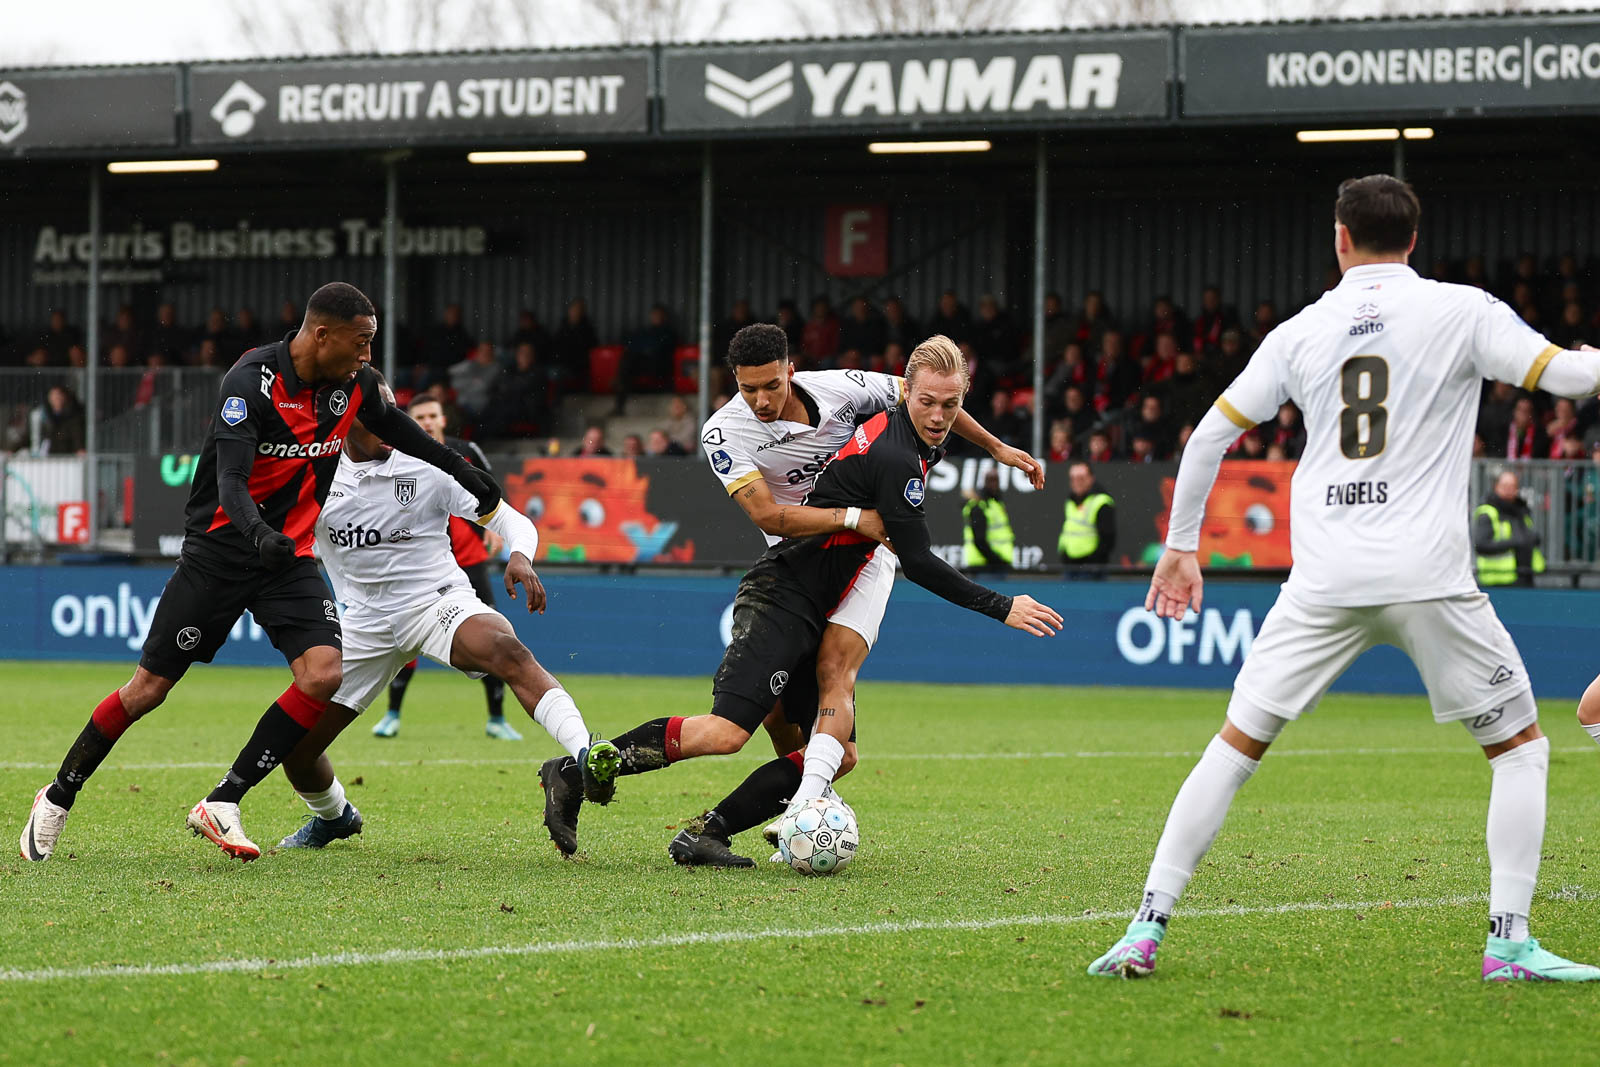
58, 32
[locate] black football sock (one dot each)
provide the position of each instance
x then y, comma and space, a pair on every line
649, 746
397, 688
758, 799
283, 727
495, 690
93, 745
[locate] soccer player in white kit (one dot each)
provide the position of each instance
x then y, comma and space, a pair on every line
1387, 368
384, 538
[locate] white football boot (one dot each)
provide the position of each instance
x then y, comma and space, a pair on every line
43, 828
220, 824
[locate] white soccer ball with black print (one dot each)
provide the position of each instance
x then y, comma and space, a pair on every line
819, 837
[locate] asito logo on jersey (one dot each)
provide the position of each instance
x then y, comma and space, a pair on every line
1367, 315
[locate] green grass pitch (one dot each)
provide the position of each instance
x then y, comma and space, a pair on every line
1006, 832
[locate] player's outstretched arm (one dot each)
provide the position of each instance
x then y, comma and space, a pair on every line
1027, 614
397, 428
1175, 585
920, 564
1177, 578
969, 429
798, 520
1572, 373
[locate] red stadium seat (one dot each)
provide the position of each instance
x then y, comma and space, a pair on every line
603, 365
686, 369
1022, 398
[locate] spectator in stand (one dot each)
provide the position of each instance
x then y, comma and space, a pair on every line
472, 379
863, 333
247, 332
208, 355
788, 319
1059, 330
982, 388
659, 444
647, 357
444, 344
1262, 323
1166, 319
1567, 283
517, 400
1094, 321
1142, 448
1188, 394
124, 331
900, 328
593, 443
1276, 453
58, 424
167, 339
1151, 422
1563, 427
570, 346
1441, 271
1249, 446
1005, 422
1494, 418
117, 356
59, 338
1228, 363
681, 427
1072, 369
1118, 376
529, 331
1060, 449
1570, 331
1077, 414
819, 342
1288, 432
1100, 447
1160, 361
1214, 319
996, 340
1524, 272
38, 357
1474, 273
217, 332
288, 320
894, 359
722, 335
952, 320
1525, 438
632, 446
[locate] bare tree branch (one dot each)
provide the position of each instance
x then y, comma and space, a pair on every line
904, 16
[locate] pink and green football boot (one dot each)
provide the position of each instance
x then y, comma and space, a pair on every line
1135, 955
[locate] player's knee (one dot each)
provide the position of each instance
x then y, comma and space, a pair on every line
320, 681
143, 694
723, 737
1589, 706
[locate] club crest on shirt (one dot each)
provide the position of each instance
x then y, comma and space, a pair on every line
721, 461
405, 490
234, 411
915, 491
338, 402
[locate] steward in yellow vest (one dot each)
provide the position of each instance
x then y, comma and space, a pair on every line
988, 544
1089, 530
1504, 537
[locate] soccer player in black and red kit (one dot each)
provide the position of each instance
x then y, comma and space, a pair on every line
784, 601
284, 411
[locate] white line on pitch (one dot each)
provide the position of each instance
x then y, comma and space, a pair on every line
722, 937
357, 763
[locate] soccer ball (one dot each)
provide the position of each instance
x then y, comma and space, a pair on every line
819, 837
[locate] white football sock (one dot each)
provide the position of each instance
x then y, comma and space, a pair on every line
1516, 834
824, 753
328, 804
560, 716
1592, 729
1197, 813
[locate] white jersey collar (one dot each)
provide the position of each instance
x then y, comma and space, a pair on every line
1367, 273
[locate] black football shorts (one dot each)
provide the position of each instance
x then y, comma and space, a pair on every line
773, 654
201, 603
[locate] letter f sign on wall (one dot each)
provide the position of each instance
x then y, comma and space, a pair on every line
856, 240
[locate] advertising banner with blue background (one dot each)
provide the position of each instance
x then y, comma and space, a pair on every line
632, 624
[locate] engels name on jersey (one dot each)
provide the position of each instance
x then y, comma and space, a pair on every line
1347, 493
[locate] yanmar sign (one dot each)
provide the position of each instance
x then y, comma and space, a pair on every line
1446, 66
916, 84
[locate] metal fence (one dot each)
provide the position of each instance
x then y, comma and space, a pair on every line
1564, 498
138, 409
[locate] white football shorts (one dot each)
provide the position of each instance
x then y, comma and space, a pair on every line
864, 602
1467, 660
377, 646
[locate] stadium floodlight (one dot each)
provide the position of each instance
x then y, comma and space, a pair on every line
161, 166
1418, 133
1326, 136
899, 148
547, 155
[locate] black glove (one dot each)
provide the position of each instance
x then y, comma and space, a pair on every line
277, 549
480, 484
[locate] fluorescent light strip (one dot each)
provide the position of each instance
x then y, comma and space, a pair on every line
897, 148
161, 166
554, 155
1418, 133
1323, 136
